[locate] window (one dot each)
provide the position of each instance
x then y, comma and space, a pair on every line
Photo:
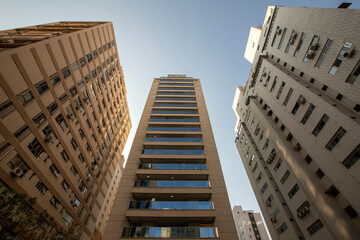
41, 87
65, 185
63, 98
320, 173
275, 35
274, 84
22, 132
323, 53
269, 200
100, 50
251, 159
307, 114
54, 202
280, 90
296, 107
293, 191
282, 38
74, 66
41, 187
52, 107
267, 79
354, 74
95, 54
285, 177
259, 177
67, 218
65, 72
320, 125
244, 145
288, 96
261, 135
282, 228
54, 78
89, 57
73, 143
65, 156
60, 120
6, 108
264, 187
345, 49
73, 170
263, 73
316, 226
25, 97
54, 170
332, 190
81, 158
81, 132
73, 91
277, 165
353, 157
311, 50
335, 139
18, 166
351, 211
35, 147
252, 123
255, 167
248, 119
302, 38
266, 144
82, 188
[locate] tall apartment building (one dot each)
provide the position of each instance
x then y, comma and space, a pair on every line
249, 225
64, 119
298, 122
172, 186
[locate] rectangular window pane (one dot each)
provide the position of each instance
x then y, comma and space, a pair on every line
320, 125
288, 96
275, 35
314, 45
280, 90
354, 74
291, 40
293, 191
307, 114
345, 49
282, 38
323, 53
335, 139
352, 158
302, 38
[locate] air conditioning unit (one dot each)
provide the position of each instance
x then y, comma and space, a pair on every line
297, 147
268, 204
314, 47
301, 100
273, 219
299, 214
17, 172
264, 74
310, 55
70, 116
306, 209
292, 41
11, 41
48, 139
293, 35
278, 32
349, 54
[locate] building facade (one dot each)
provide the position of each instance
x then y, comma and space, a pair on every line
172, 186
298, 122
64, 120
249, 225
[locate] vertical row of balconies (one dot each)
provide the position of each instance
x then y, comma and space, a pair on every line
172, 193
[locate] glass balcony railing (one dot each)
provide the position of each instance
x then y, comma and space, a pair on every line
169, 232
175, 88
171, 166
174, 105
173, 120
159, 139
174, 152
176, 84
171, 184
176, 99
175, 93
177, 112
173, 129
171, 205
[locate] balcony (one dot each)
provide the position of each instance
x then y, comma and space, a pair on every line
174, 120
170, 232
171, 184
176, 84
156, 139
174, 112
173, 152
169, 166
174, 105
171, 205
176, 88
175, 99
181, 129
175, 93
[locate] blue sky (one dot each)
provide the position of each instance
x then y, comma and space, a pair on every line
205, 39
